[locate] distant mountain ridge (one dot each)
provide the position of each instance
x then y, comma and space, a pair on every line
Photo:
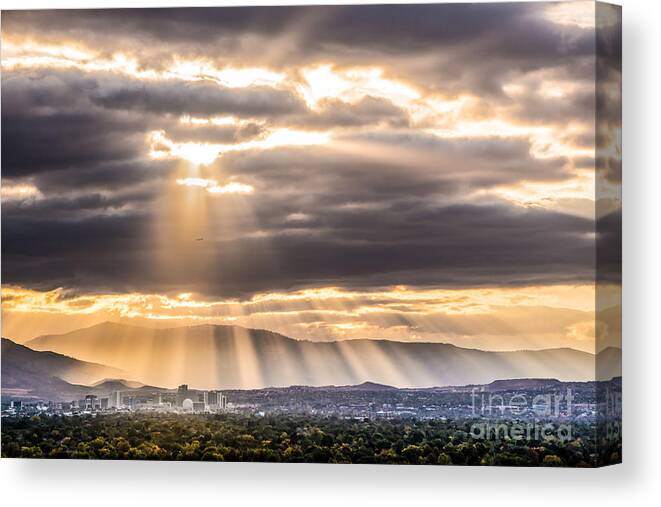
215, 356
47, 374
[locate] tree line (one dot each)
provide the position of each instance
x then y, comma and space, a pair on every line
291, 438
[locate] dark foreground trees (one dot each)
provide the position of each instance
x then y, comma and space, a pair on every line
230, 437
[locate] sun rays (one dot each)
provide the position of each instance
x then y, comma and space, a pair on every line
463, 317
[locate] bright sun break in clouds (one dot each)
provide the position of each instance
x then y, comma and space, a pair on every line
26, 54
19, 191
214, 188
323, 311
205, 153
325, 81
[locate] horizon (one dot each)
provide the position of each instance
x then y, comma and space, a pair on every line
140, 385
182, 326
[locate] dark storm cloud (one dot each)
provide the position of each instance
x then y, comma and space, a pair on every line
452, 246
76, 207
103, 253
49, 125
394, 162
45, 143
609, 95
609, 248
103, 176
198, 98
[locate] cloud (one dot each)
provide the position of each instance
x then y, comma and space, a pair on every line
454, 246
402, 187
48, 125
446, 46
198, 98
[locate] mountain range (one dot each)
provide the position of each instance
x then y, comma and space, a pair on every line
28, 373
216, 356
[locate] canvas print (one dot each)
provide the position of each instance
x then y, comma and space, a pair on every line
384, 234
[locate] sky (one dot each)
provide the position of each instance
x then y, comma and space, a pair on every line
414, 173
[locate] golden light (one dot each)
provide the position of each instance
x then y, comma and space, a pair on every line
230, 77
353, 84
231, 188
28, 54
196, 182
195, 153
287, 137
19, 191
205, 153
575, 195
398, 313
213, 187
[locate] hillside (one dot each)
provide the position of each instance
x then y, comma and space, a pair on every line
47, 374
211, 356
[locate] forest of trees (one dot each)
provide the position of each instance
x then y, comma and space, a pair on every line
229, 437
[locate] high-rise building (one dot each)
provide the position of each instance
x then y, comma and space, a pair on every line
90, 402
115, 399
182, 394
216, 400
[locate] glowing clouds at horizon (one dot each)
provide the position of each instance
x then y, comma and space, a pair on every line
495, 319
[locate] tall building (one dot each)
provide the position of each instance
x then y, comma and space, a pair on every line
217, 400
115, 399
182, 394
90, 402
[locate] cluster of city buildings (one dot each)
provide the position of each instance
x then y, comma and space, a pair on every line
184, 400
